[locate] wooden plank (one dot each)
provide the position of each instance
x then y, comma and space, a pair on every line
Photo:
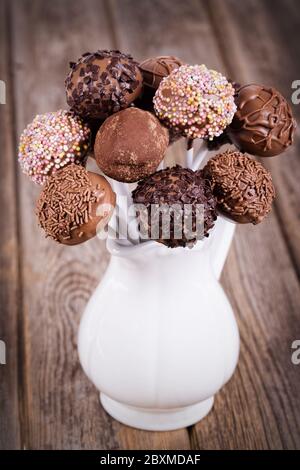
259, 407
10, 436
269, 382
260, 43
63, 406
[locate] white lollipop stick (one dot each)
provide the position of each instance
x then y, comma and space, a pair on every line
189, 153
200, 156
161, 165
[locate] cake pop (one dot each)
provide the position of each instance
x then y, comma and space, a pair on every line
102, 83
130, 145
74, 205
263, 124
52, 141
195, 101
179, 194
241, 185
154, 70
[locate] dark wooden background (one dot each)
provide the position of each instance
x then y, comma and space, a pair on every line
46, 401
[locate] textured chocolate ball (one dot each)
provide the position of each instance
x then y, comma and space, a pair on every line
130, 145
74, 204
263, 123
102, 83
52, 141
241, 185
179, 194
195, 101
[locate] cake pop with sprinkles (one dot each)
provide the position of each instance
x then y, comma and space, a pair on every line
52, 141
195, 101
75, 205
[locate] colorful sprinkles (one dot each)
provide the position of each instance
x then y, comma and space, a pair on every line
195, 101
52, 141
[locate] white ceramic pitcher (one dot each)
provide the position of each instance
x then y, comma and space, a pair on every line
158, 337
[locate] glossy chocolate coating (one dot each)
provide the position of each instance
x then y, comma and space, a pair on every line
156, 68
263, 123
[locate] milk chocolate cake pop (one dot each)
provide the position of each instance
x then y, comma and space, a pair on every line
74, 204
241, 185
180, 194
52, 141
130, 145
154, 70
102, 83
195, 101
263, 124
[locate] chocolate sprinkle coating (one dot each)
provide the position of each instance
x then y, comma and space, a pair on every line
130, 145
68, 206
242, 186
176, 186
102, 83
263, 123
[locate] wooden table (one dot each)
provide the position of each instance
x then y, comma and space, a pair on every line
46, 400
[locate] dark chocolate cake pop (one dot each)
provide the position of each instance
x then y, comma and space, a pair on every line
241, 185
74, 204
263, 123
102, 83
178, 207
130, 145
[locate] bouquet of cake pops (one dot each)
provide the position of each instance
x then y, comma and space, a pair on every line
125, 115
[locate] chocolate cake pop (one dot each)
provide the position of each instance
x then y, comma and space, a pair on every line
102, 83
241, 185
153, 71
180, 194
130, 145
263, 124
74, 204
195, 101
52, 141
156, 68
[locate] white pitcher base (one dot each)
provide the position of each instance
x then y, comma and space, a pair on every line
156, 420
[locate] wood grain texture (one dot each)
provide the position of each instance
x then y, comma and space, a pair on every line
63, 406
58, 407
263, 291
259, 40
262, 273
10, 436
